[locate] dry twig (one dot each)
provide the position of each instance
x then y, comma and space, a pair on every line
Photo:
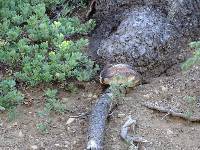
171, 112
124, 133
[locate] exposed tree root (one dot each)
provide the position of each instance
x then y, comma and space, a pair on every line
131, 139
97, 122
82, 115
171, 112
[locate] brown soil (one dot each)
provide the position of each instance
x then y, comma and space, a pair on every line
168, 133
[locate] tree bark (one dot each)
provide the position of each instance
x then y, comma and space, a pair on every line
98, 121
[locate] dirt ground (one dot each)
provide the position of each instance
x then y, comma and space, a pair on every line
170, 133
174, 89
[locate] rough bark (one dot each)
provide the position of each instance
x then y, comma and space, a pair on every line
97, 122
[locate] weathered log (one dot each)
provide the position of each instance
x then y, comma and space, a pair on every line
110, 76
98, 121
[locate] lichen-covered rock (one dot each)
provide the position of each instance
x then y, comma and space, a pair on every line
185, 15
147, 34
145, 38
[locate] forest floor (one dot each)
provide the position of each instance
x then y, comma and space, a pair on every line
64, 132
179, 91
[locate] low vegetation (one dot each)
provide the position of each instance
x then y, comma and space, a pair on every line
195, 59
52, 105
9, 95
36, 46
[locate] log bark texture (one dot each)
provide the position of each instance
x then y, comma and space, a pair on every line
97, 121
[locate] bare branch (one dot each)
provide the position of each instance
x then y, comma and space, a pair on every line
124, 132
171, 112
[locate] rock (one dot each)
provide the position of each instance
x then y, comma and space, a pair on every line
65, 99
57, 145
15, 124
34, 147
90, 95
2, 109
169, 132
20, 134
120, 115
148, 95
70, 120
95, 96
67, 144
149, 34
144, 39
185, 15
164, 89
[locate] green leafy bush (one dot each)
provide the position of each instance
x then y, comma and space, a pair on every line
35, 46
42, 127
52, 103
9, 95
196, 57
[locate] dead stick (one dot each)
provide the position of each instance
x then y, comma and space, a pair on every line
124, 132
171, 112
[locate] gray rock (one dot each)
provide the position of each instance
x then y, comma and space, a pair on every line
143, 39
147, 34
185, 15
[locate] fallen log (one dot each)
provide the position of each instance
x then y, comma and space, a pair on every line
98, 120
109, 75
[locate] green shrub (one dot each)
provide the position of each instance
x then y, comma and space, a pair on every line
195, 59
9, 95
42, 127
52, 104
35, 47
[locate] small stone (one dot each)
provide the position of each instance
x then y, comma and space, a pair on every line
147, 96
94, 96
1, 123
67, 142
15, 124
20, 134
65, 99
57, 145
83, 95
90, 95
2, 108
169, 132
66, 146
70, 120
120, 115
34, 147
164, 88
156, 91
